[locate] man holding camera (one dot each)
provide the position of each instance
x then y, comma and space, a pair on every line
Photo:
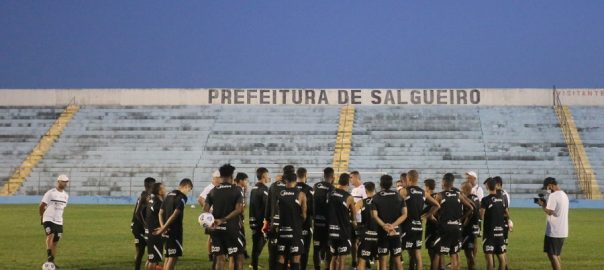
556, 209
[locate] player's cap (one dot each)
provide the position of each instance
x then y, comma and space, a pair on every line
216, 174
549, 181
63, 178
472, 173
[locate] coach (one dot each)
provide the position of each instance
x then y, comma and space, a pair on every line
556, 209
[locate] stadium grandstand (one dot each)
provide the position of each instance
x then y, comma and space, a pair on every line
108, 140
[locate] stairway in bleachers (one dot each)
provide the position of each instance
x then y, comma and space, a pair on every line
589, 121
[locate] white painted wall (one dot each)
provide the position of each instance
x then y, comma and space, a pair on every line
391, 97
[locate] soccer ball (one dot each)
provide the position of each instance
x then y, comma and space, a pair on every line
206, 220
48, 266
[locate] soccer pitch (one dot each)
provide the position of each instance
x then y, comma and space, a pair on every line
98, 237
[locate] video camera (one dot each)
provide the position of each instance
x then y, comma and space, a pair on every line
540, 197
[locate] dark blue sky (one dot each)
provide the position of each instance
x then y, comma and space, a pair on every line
322, 44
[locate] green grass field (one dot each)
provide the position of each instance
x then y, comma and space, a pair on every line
98, 237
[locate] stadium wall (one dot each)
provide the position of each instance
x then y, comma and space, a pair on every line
223, 96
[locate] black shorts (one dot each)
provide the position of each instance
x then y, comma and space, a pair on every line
290, 247
553, 245
227, 243
155, 247
448, 240
320, 237
429, 241
339, 247
174, 244
368, 245
493, 245
412, 235
468, 240
389, 245
53, 228
138, 231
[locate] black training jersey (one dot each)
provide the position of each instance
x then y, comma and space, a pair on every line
431, 226
140, 209
272, 211
450, 208
303, 187
173, 201
290, 213
504, 196
223, 199
340, 226
494, 219
152, 212
389, 205
258, 201
475, 217
367, 220
321, 198
415, 202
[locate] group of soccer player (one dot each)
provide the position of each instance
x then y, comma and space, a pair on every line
340, 218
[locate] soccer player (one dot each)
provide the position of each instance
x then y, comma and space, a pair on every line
292, 207
367, 229
494, 213
271, 220
51, 215
402, 182
138, 223
556, 230
226, 203
470, 227
450, 216
358, 194
241, 182
389, 211
170, 221
320, 237
155, 243
412, 227
341, 212
301, 175
431, 223
258, 201
508, 226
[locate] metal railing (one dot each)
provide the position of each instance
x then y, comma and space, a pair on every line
583, 176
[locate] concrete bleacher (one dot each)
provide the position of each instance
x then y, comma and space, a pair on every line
20, 130
590, 124
110, 150
520, 144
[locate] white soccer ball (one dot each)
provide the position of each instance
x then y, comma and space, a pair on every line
48, 266
206, 220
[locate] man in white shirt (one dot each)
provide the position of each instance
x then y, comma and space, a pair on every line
472, 178
204, 193
358, 193
556, 230
51, 215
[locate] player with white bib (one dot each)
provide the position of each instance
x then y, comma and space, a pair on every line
51, 214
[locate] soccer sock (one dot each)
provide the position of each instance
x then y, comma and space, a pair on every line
295, 266
50, 257
280, 266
